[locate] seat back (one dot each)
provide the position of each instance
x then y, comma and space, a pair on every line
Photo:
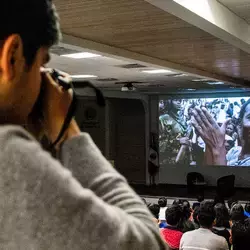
193, 177
225, 186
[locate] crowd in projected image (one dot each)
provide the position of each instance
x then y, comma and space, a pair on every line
181, 143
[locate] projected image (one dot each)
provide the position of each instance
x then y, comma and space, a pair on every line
188, 137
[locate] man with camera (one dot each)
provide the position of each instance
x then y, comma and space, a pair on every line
78, 202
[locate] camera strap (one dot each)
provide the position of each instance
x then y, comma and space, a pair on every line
73, 106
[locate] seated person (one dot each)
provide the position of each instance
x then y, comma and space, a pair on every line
200, 198
204, 238
177, 202
195, 217
247, 210
154, 209
237, 213
162, 202
241, 235
172, 233
222, 226
187, 224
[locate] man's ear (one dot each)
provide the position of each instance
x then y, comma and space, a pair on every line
12, 59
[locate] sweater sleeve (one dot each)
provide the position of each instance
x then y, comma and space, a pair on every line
89, 207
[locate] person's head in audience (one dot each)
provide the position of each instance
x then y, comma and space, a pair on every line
187, 224
237, 213
243, 101
231, 201
241, 235
247, 209
154, 209
206, 215
222, 216
177, 202
162, 202
200, 198
185, 203
195, 217
186, 209
174, 215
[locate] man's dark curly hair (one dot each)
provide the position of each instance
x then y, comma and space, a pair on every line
35, 21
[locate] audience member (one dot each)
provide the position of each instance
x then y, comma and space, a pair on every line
185, 203
195, 217
172, 233
200, 198
222, 226
204, 238
187, 224
241, 235
154, 209
162, 202
247, 210
237, 213
177, 202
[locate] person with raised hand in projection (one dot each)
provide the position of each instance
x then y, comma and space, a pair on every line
173, 134
214, 137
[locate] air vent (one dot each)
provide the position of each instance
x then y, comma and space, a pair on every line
132, 66
58, 50
107, 80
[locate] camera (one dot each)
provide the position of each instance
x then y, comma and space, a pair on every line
66, 83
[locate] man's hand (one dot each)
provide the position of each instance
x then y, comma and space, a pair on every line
56, 103
53, 108
212, 134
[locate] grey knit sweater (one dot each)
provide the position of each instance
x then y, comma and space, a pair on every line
84, 205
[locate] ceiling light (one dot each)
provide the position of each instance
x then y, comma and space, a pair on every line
81, 55
157, 71
201, 80
83, 76
191, 89
180, 75
176, 75
215, 83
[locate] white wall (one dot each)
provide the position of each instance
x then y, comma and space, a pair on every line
177, 174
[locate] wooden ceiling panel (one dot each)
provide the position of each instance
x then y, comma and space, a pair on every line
137, 26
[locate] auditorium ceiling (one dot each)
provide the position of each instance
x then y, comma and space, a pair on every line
138, 30
239, 7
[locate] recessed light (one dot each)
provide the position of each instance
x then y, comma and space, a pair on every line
81, 55
177, 75
83, 76
201, 80
180, 75
191, 89
157, 71
215, 83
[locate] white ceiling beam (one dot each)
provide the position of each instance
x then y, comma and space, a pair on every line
107, 50
212, 17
